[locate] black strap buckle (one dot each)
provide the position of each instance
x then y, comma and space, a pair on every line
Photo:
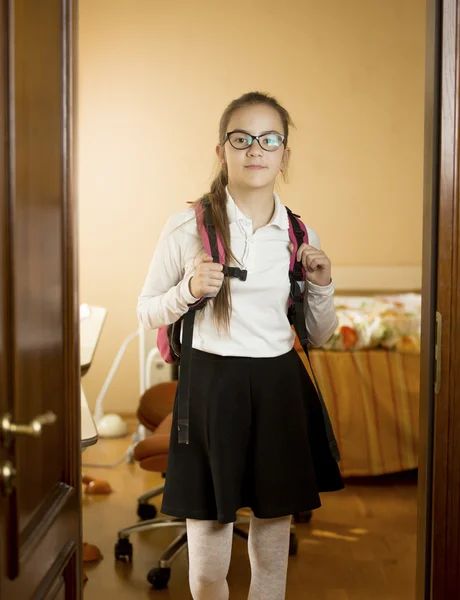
240, 274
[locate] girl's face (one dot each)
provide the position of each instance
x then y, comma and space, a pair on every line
254, 167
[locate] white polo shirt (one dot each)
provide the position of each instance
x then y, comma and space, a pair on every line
259, 326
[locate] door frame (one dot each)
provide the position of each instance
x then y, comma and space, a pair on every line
73, 574
429, 273
438, 548
438, 532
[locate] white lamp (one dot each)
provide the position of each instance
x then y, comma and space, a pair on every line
111, 425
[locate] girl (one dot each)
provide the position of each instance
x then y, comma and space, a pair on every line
257, 437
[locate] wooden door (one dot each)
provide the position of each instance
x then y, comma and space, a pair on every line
40, 522
438, 564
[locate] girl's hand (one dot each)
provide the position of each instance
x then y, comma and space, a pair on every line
315, 262
208, 277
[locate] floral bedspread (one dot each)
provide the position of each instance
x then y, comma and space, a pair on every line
391, 322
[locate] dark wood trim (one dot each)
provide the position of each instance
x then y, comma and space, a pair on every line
429, 269
43, 519
5, 243
5, 266
71, 319
56, 589
445, 543
52, 583
10, 531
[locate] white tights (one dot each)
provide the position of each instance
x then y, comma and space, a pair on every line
210, 546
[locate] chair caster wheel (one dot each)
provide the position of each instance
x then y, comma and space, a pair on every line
158, 578
303, 517
146, 511
293, 545
124, 550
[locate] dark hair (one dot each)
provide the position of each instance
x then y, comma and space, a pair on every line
216, 199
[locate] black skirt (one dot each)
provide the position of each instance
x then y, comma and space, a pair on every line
257, 440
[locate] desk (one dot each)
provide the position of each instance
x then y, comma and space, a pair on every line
91, 322
89, 434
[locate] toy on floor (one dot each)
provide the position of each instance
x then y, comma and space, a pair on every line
91, 553
111, 426
96, 486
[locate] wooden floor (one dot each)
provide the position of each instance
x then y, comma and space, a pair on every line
360, 545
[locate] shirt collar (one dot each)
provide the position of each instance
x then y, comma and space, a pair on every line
279, 219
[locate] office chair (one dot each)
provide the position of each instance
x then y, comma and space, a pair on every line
155, 414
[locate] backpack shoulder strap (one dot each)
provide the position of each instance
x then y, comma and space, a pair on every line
298, 235
213, 246
211, 240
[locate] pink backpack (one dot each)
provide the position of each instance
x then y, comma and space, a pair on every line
168, 338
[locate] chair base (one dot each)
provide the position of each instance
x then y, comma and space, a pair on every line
153, 493
158, 576
123, 547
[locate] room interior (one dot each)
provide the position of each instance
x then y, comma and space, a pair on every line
352, 76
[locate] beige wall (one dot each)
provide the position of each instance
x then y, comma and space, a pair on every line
154, 78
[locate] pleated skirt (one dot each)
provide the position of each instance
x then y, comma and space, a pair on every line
257, 440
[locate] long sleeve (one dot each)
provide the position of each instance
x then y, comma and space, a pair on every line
165, 295
258, 324
320, 315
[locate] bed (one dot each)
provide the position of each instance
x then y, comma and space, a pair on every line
369, 374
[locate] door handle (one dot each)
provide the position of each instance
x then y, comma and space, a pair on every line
7, 478
8, 429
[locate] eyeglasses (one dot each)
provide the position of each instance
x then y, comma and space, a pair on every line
241, 140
